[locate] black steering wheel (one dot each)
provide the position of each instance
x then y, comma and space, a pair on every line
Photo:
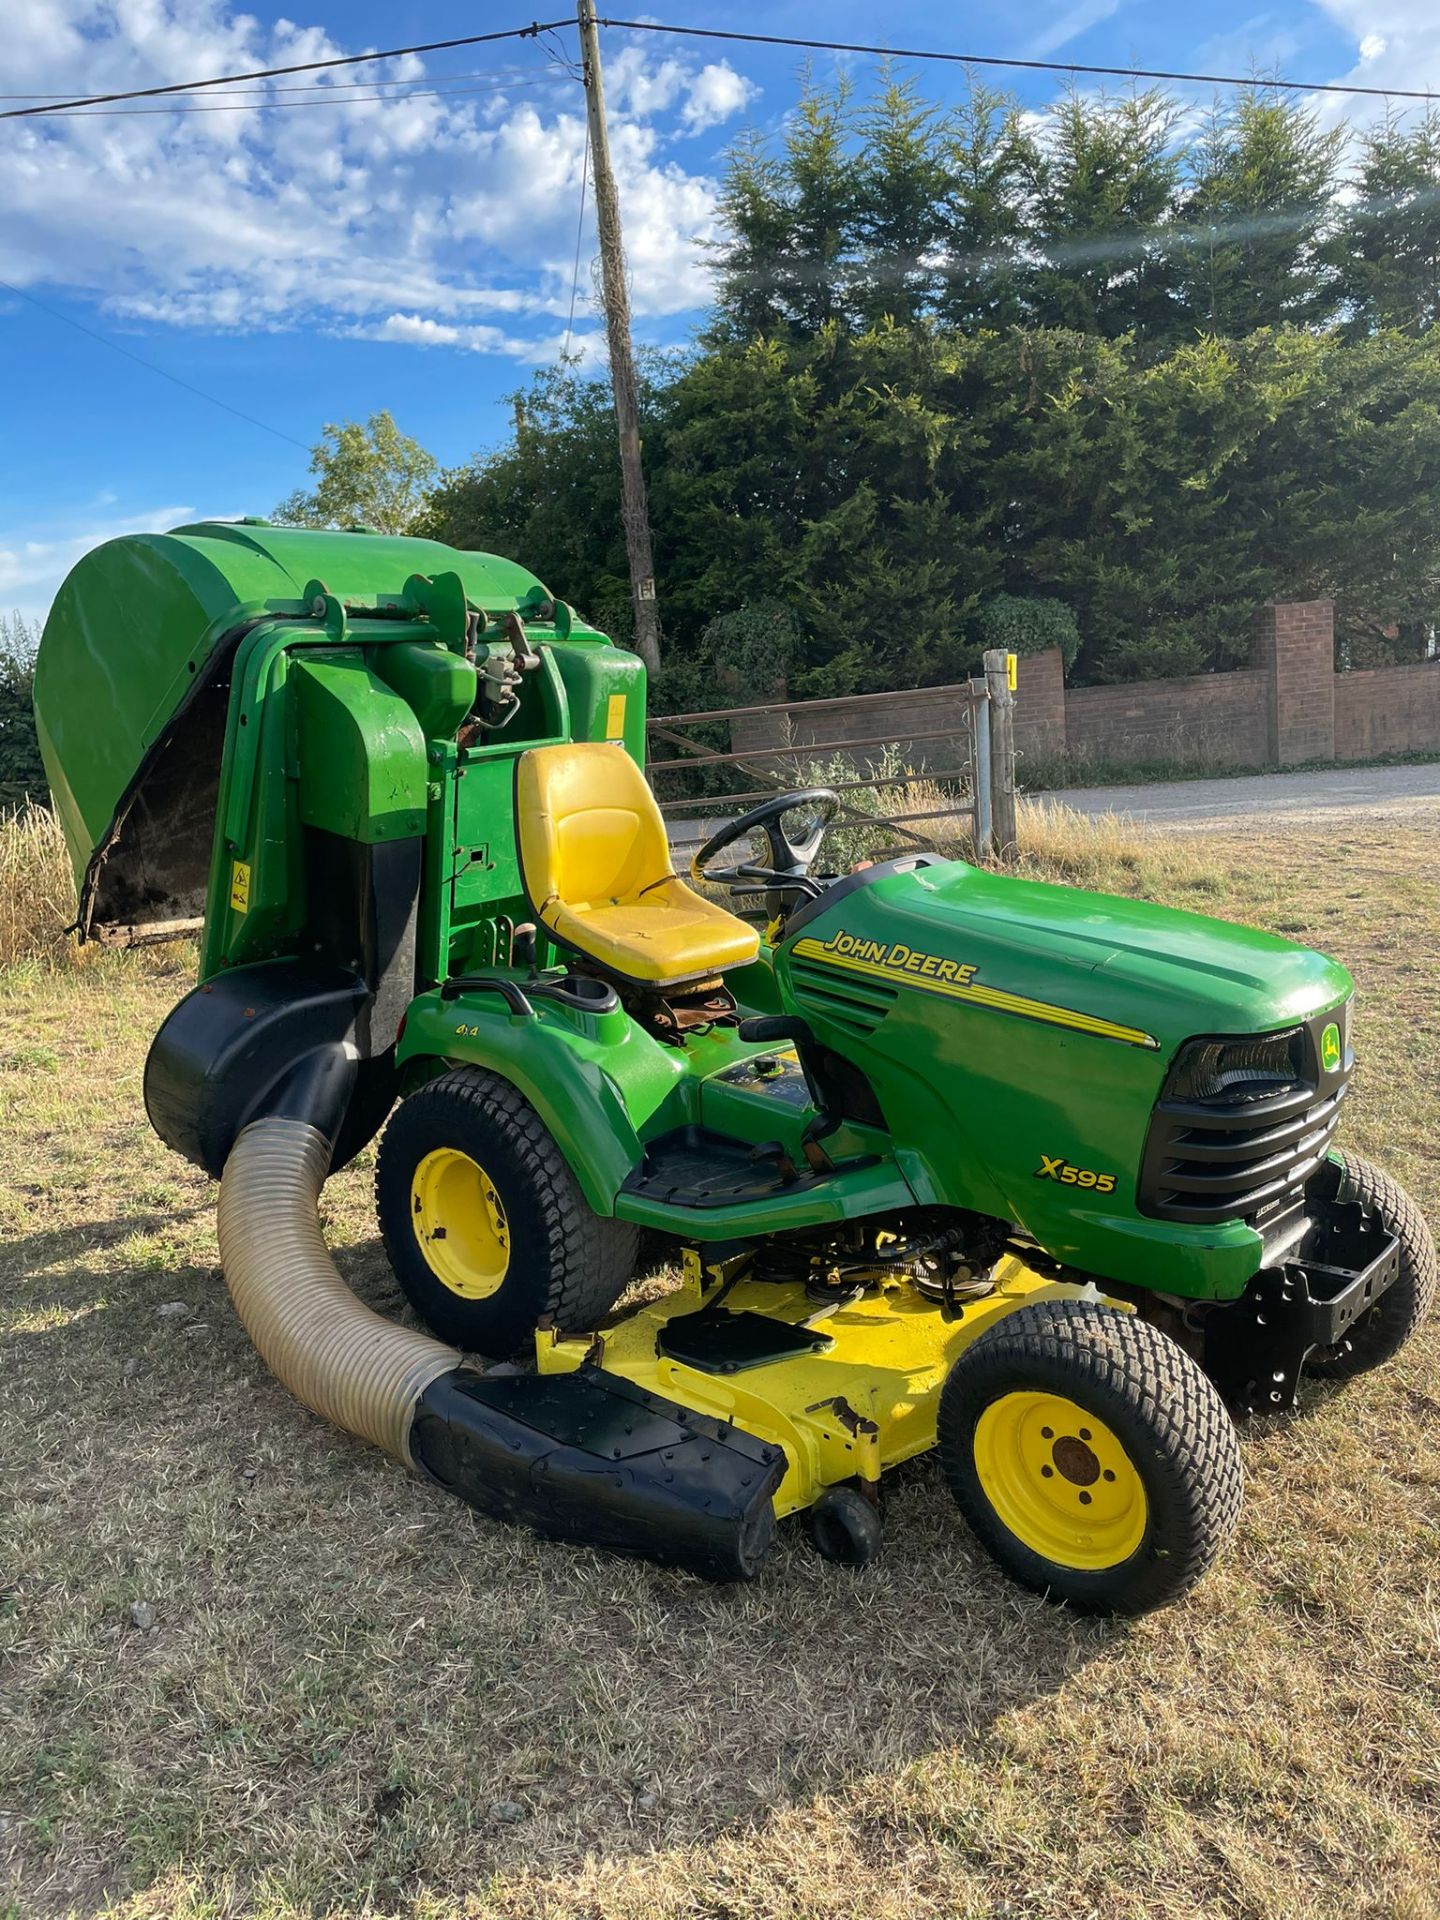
788, 871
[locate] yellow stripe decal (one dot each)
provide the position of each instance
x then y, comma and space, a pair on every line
978, 996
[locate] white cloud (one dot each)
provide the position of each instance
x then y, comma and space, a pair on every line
526, 198
31, 569
414, 329
403, 217
705, 99
635, 85
1263, 43
1069, 26
716, 94
1397, 43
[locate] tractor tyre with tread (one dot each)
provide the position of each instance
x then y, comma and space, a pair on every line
1379, 1334
1091, 1456
468, 1170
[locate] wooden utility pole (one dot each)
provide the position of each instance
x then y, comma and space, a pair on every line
634, 508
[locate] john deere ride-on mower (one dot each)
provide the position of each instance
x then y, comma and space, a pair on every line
1039, 1179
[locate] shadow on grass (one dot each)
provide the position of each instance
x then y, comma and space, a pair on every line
31, 1254
357, 1689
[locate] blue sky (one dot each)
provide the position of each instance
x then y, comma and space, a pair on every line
315, 263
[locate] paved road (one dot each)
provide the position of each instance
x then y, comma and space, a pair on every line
1407, 795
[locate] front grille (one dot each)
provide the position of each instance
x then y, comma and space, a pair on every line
856, 1004
1239, 1157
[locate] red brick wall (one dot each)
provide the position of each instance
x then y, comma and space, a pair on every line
1040, 703
1387, 710
1295, 644
1211, 718
1289, 706
888, 719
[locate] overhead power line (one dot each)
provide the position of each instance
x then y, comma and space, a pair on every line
736, 37
150, 366
319, 97
339, 86
531, 32
324, 90
999, 60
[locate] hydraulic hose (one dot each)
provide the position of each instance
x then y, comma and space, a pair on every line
342, 1360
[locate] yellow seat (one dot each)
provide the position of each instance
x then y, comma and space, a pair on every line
596, 864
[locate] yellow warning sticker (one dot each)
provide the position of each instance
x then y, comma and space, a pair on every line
240, 887
1012, 672
615, 717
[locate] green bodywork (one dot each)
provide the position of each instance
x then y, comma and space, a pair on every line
232, 715
260, 679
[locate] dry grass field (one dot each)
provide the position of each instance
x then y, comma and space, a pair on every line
353, 1697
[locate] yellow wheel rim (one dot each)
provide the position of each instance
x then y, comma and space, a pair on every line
1060, 1481
459, 1223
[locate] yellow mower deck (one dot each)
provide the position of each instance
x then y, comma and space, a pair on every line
862, 1404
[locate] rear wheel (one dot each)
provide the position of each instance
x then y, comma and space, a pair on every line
1379, 1333
485, 1224
1092, 1458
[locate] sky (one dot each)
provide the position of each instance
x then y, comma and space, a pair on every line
332, 252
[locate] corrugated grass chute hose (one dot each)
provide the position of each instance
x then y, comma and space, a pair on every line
333, 1352
583, 1456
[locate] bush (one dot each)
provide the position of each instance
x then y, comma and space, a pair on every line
743, 659
1022, 623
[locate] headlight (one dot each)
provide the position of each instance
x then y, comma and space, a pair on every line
1236, 1071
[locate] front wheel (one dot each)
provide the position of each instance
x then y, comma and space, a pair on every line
485, 1224
1091, 1456
1380, 1333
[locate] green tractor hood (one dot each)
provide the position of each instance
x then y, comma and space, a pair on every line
133, 680
1020, 1035
1025, 953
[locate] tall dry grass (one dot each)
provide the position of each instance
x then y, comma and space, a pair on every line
1109, 854
1104, 853
37, 894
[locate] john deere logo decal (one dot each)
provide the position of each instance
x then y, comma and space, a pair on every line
906, 966
897, 957
1330, 1048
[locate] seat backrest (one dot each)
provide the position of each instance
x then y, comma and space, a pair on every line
588, 826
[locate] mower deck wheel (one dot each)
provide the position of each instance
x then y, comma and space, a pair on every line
485, 1224
845, 1527
1091, 1456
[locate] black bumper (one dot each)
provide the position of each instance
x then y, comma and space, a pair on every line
1256, 1347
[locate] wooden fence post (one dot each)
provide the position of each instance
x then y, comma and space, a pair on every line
1002, 750
984, 834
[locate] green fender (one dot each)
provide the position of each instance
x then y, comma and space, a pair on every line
600, 1084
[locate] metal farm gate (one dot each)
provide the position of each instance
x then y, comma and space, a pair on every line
935, 766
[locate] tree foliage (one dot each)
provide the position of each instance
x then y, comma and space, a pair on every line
1259, 206
1104, 184
22, 775
1111, 214
988, 160
884, 487
1105, 373
369, 476
1387, 256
